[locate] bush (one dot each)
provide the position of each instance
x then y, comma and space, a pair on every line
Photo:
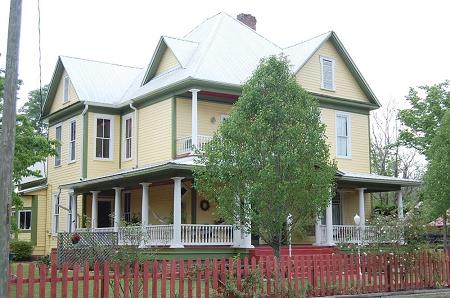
22, 250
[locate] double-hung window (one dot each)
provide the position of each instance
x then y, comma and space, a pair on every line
25, 219
72, 140
66, 89
327, 66
128, 137
58, 136
103, 137
343, 141
55, 209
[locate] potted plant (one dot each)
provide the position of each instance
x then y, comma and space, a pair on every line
75, 238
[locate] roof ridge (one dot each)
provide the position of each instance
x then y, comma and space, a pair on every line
103, 62
207, 19
181, 39
306, 40
254, 31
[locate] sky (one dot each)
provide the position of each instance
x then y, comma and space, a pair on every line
395, 44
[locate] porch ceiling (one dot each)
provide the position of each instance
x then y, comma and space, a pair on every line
372, 182
153, 173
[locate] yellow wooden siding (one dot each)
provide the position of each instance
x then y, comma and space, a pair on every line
155, 132
58, 102
99, 167
168, 61
208, 113
359, 129
66, 173
350, 206
309, 76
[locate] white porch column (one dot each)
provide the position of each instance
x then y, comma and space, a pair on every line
329, 222
247, 237
94, 212
176, 242
362, 211
194, 133
318, 232
400, 203
117, 199
145, 204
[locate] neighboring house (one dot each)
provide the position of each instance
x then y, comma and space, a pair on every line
127, 134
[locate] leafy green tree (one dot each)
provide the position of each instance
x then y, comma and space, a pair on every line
269, 159
437, 178
32, 108
423, 119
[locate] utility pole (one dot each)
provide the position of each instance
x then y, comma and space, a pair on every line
8, 138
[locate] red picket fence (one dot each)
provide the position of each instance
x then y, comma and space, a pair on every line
315, 275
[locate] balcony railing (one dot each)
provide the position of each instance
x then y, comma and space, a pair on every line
206, 234
184, 145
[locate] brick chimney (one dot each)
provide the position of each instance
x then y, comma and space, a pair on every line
247, 19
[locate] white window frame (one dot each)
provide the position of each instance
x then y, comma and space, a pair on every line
55, 213
333, 73
124, 139
72, 149
59, 146
111, 134
18, 220
66, 84
71, 205
349, 134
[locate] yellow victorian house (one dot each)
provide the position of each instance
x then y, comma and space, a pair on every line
126, 137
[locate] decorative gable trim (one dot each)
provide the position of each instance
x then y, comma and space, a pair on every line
333, 38
56, 78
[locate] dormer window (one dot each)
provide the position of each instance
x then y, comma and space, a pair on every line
66, 89
327, 66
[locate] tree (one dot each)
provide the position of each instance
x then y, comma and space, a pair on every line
32, 108
269, 159
422, 120
437, 178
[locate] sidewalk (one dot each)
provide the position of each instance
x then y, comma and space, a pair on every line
403, 294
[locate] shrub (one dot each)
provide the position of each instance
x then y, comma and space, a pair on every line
22, 250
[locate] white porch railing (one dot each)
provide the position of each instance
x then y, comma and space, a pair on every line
206, 234
162, 235
355, 234
184, 145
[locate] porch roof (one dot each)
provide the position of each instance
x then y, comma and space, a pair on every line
151, 173
373, 182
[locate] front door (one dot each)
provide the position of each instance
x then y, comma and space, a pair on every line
104, 213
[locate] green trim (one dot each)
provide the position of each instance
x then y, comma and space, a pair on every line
65, 113
343, 104
194, 253
104, 110
174, 127
120, 142
34, 215
85, 143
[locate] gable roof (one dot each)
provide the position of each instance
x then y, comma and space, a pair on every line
93, 81
221, 50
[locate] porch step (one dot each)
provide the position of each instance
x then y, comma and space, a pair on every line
297, 250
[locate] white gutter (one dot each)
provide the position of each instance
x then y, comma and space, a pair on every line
86, 106
136, 133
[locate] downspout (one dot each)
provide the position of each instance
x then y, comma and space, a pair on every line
86, 106
136, 126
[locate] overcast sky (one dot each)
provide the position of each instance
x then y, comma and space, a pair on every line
395, 44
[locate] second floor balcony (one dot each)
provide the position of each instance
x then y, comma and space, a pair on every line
185, 145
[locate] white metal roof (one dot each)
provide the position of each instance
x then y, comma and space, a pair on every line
99, 82
221, 49
379, 178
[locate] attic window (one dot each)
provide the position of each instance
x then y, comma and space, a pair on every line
327, 66
66, 89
